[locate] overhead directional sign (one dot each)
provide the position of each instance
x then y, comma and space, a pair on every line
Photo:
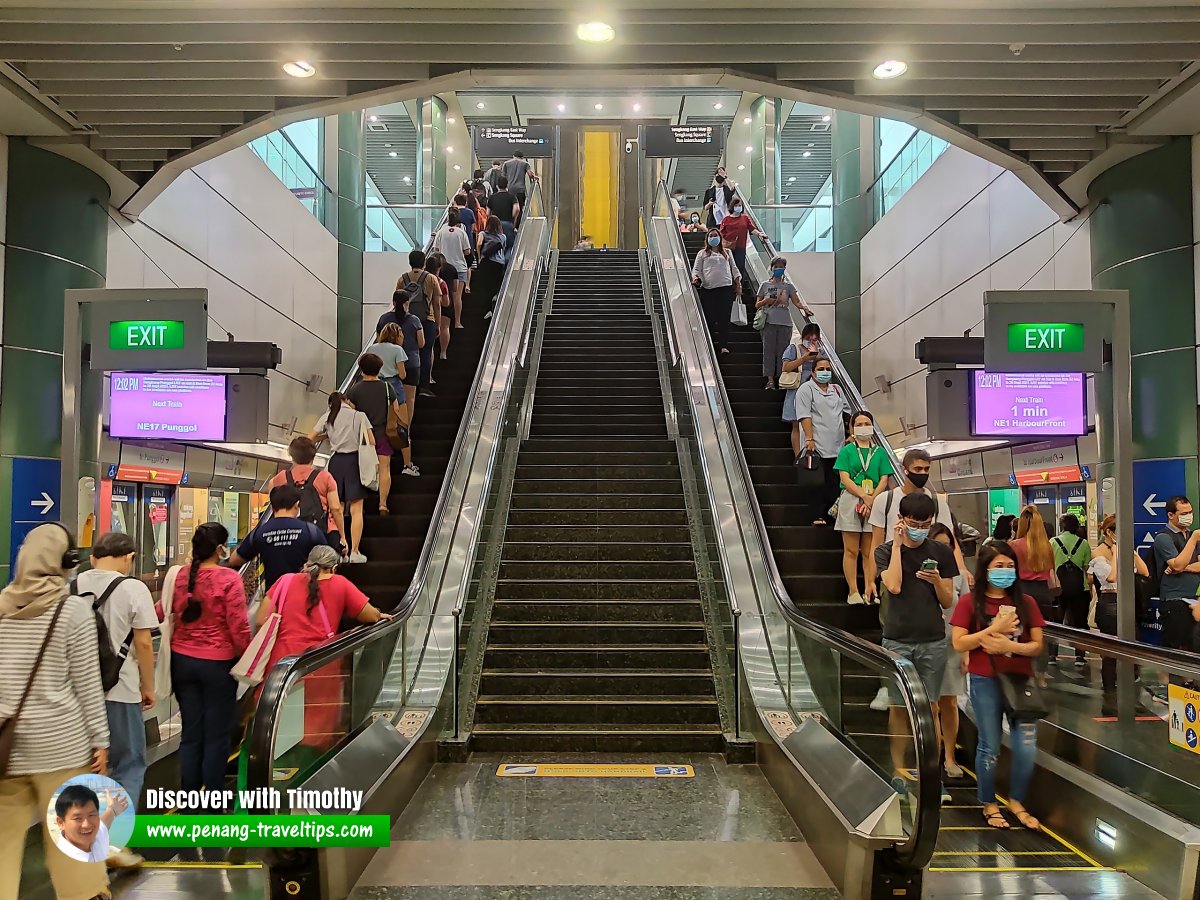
136, 330
1044, 331
499, 141
669, 141
35, 487
1155, 481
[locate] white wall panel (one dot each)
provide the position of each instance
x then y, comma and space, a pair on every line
965, 227
269, 266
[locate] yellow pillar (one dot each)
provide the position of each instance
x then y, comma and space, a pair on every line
598, 164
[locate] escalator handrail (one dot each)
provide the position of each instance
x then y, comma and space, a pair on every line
291, 668
917, 851
1182, 662
857, 402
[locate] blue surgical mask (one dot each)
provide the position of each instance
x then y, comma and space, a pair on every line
824, 376
778, 273
737, 210
916, 534
714, 241
1002, 578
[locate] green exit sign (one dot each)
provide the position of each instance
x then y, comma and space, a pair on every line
153, 334
1045, 337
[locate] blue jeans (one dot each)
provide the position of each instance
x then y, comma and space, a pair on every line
988, 703
127, 748
207, 696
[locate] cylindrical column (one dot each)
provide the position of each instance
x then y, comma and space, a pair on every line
853, 158
351, 235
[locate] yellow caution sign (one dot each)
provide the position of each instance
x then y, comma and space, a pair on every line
1184, 719
284, 773
593, 770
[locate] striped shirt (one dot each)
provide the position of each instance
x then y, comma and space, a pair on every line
64, 718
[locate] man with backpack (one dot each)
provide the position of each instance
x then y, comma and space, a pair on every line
319, 500
424, 293
1072, 556
125, 618
283, 540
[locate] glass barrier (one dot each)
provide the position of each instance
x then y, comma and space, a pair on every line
798, 227
913, 161
401, 226
292, 168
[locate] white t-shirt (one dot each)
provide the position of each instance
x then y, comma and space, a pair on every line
880, 509
346, 431
99, 851
129, 606
452, 242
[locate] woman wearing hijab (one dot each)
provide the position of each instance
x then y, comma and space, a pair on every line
48, 647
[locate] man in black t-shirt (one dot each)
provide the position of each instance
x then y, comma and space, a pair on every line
283, 541
504, 206
918, 575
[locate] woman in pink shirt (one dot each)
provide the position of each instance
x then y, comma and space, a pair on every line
311, 604
735, 229
211, 631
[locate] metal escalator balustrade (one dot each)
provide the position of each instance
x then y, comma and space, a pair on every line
597, 636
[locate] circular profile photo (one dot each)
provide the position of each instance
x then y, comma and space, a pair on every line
90, 815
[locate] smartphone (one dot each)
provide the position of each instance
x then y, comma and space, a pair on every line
1006, 609
930, 565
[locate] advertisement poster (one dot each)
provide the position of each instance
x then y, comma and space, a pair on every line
229, 515
1184, 705
1002, 502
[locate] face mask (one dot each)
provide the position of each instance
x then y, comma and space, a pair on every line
916, 534
918, 479
1185, 520
695, 219
1002, 578
778, 273
720, 179
714, 241
864, 432
737, 210
824, 376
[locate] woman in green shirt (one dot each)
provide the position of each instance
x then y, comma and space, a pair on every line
863, 468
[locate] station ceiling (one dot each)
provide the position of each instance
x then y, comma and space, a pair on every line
1052, 89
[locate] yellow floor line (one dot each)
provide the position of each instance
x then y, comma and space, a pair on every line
998, 853
1021, 869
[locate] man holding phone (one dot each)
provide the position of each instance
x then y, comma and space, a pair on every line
918, 575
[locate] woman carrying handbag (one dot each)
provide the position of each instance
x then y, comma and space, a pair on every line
1001, 628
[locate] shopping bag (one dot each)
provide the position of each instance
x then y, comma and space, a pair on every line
162, 662
368, 459
251, 669
809, 472
737, 315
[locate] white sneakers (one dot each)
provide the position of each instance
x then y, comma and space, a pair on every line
856, 599
880, 703
357, 558
410, 469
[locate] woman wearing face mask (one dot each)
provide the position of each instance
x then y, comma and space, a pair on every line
693, 225
864, 471
1103, 570
774, 297
716, 200
715, 274
736, 229
211, 631
1001, 629
819, 408
1035, 563
953, 682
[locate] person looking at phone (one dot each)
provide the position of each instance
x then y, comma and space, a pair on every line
1000, 627
918, 575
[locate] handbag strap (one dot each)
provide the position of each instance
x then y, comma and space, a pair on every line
37, 663
324, 616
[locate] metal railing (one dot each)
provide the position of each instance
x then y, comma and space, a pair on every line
399, 227
912, 161
703, 374
292, 168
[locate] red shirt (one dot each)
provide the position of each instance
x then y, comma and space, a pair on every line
223, 629
1021, 548
323, 484
735, 230
301, 630
981, 662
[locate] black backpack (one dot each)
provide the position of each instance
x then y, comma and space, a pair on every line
1070, 577
312, 510
111, 660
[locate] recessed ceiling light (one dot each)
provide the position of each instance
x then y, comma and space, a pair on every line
298, 68
372, 118
741, 168
793, 178
407, 180
718, 105
806, 153
561, 107
457, 167
749, 149
826, 118
387, 145
599, 106
449, 149
393, 153
637, 107
746, 121
451, 120
890, 68
595, 32
480, 105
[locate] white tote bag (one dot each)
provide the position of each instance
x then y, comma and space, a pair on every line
162, 662
737, 314
368, 459
251, 669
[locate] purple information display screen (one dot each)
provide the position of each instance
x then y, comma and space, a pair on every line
168, 405
1028, 404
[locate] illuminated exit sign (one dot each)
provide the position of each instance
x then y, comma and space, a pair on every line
153, 334
1045, 337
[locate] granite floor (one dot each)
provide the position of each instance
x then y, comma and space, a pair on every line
723, 835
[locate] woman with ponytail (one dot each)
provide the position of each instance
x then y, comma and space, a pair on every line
211, 631
343, 425
311, 604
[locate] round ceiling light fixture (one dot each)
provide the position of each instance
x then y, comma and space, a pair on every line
599, 106
791, 179
451, 120
749, 149
637, 107
480, 105
746, 121
595, 32
826, 118
457, 167
890, 68
393, 153
741, 168
562, 107
449, 149
298, 68
806, 153
372, 118
407, 180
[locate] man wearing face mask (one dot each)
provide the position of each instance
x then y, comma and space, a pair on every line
678, 204
1177, 557
716, 200
919, 577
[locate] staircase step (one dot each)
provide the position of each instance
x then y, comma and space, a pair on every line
598, 589
597, 501
590, 534
544, 517
583, 738
595, 682
586, 635
555, 610
554, 550
585, 709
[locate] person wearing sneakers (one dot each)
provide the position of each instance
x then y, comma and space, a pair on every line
954, 679
918, 575
864, 471
774, 297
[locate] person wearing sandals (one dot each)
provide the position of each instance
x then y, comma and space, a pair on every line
864, 471
984, 624
819, 408
954, 678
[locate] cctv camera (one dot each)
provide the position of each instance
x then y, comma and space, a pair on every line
629, 146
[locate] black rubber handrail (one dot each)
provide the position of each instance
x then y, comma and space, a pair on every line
917, 851
291, 668
1184, 663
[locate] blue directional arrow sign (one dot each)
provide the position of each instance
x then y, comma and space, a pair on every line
35, 498
1154, 483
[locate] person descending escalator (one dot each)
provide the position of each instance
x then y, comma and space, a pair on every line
715, 274
736, 229
818, 407
775, 296
865, 472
